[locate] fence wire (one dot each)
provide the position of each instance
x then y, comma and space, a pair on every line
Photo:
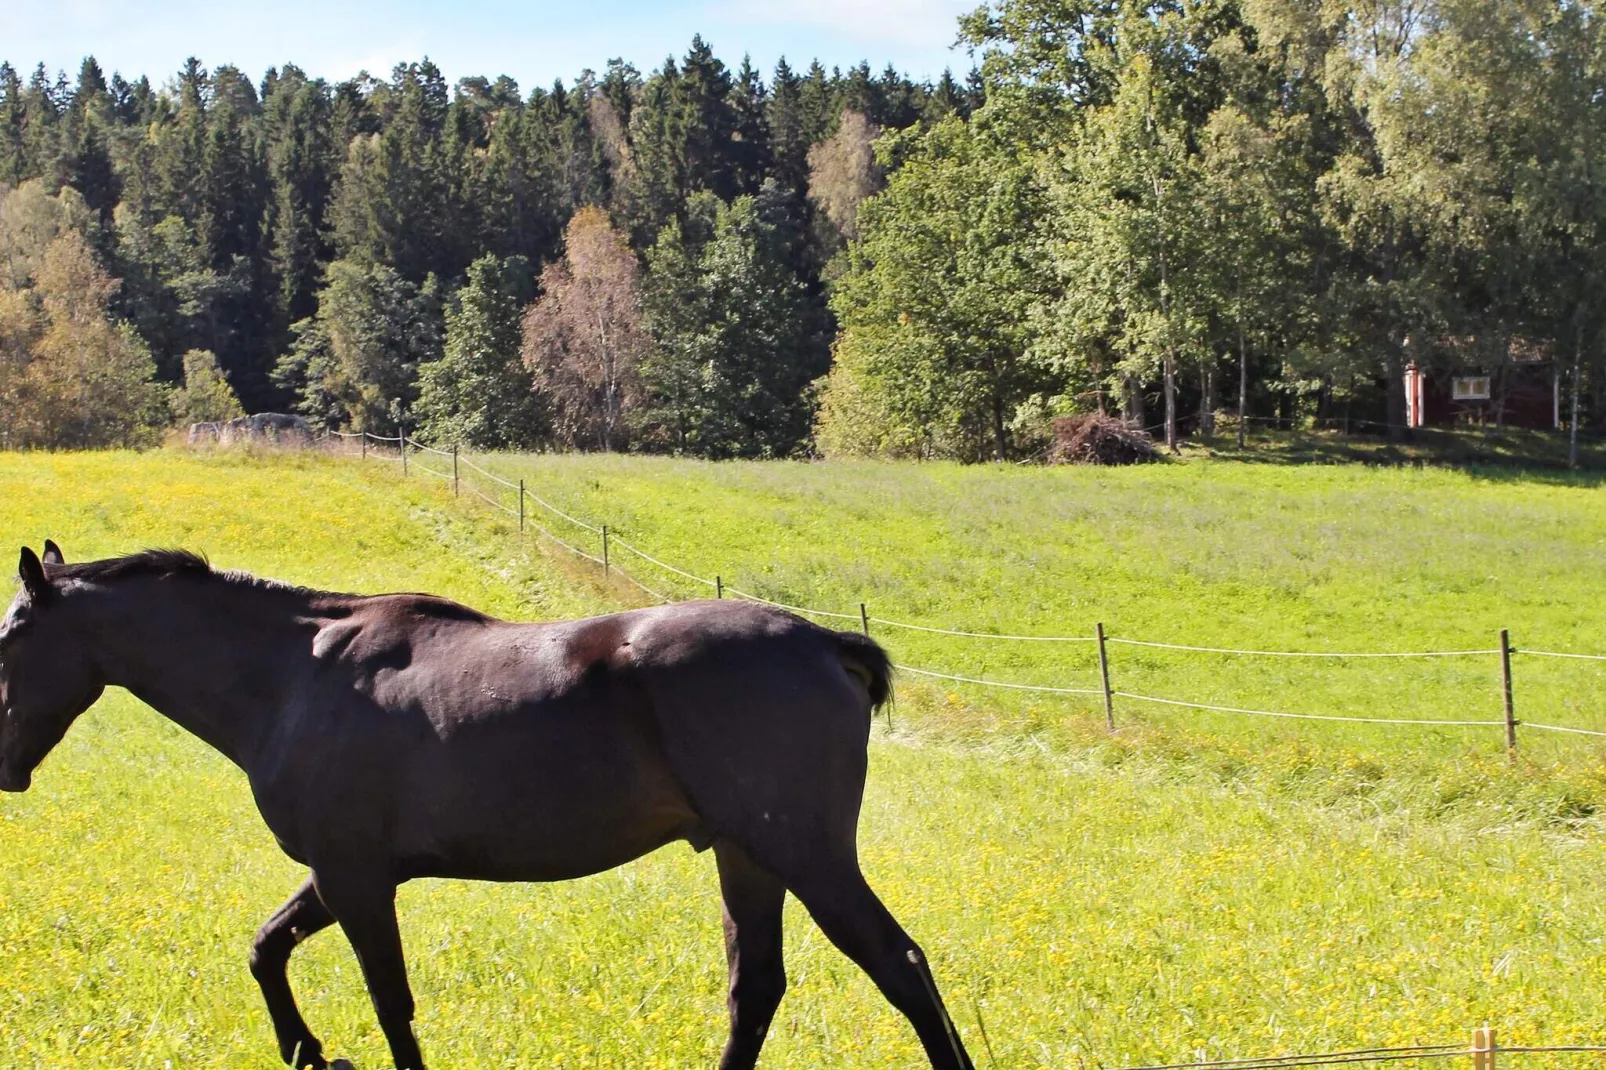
1303, 653
447, 476
999, 683
492, 502
985, 635
1360, 1055
1559, 654
494, 478
1559, 728
739, 593
1373, 1055
429, 449
1306, 716
666, 566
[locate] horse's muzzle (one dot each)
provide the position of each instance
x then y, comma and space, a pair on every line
13, 779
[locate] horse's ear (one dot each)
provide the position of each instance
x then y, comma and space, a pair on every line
53, 553
32, 574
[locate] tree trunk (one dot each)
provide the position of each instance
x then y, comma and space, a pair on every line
1171, 402
1000, 442
1394, 413
1572, 422
1132, 402
1243, 385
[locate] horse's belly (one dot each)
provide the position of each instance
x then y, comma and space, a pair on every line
538, 814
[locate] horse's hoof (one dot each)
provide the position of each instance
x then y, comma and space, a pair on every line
341, 1064
306, 1055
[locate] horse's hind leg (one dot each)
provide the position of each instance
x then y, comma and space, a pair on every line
854, 919
300, 917
753, 900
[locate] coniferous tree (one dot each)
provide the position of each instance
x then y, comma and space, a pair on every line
706, 124
13, 144
182, 149
750, 151
42, 106
789, 136
85, 161
301, 157
946, 98
657, 187
817, 105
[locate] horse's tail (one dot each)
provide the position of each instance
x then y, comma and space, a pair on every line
865, 658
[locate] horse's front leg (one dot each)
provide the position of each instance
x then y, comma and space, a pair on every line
362, 899
300, 917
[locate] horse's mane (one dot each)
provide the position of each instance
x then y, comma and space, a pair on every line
159, 564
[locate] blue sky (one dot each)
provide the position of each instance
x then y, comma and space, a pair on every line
534, 42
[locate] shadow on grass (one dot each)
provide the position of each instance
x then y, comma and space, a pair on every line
1499, 456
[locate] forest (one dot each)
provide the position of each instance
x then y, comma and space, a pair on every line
1177, 211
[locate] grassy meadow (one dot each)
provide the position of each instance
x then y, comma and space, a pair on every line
1195, 885
1268, 557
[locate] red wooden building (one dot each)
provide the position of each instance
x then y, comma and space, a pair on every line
1472, 382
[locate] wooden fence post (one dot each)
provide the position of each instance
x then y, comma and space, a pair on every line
455, 492
1104, 673
521, 506
401, 442
605, 550
364, 437
719, 587
864, 622
1505, 681
1483, 1049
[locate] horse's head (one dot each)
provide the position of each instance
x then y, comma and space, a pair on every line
46, 679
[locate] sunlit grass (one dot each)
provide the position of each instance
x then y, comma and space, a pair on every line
1320, 558
1178, 888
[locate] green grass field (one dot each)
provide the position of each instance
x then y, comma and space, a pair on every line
1194, 884
1308, 558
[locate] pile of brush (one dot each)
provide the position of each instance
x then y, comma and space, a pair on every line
1097, 439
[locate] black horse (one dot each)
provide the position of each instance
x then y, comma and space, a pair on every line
405, 736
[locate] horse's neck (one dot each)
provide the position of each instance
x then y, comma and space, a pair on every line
210, 657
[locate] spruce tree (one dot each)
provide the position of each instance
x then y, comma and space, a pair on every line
816, 105
182, 149
751, 152
41, 118
706, 123
13, 147
85, 160
297, 117
789, 136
